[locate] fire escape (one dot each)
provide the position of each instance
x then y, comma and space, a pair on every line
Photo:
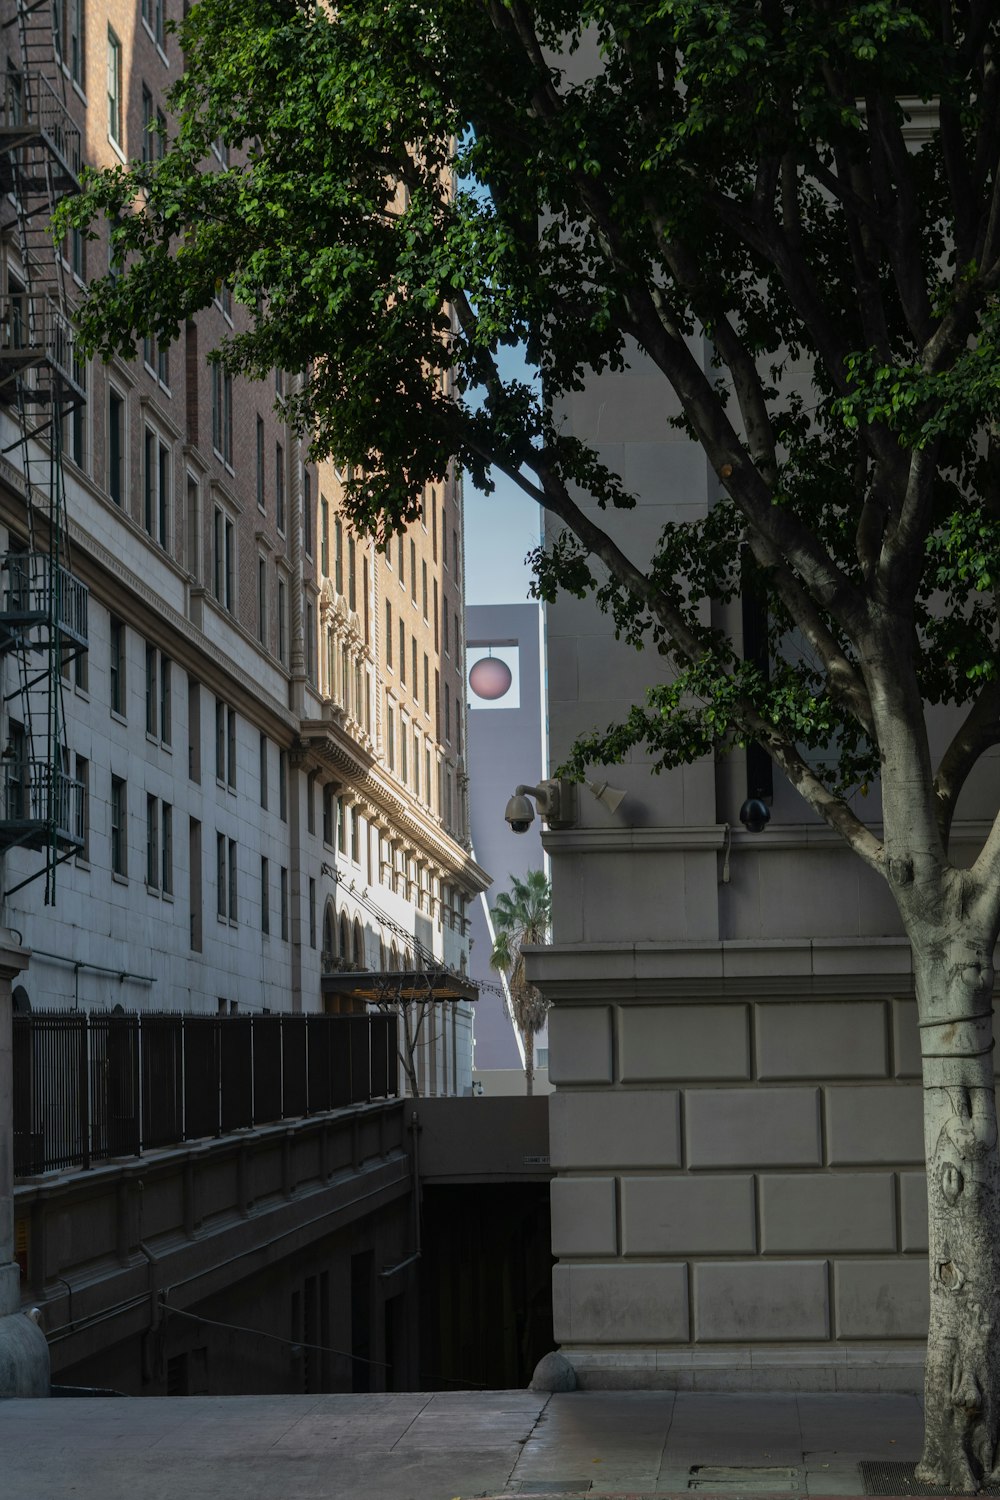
43, 607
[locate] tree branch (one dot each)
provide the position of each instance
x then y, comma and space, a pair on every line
979, 730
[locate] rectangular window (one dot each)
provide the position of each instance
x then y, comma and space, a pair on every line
390, 744
222, 414
233, 917
434, 523
263, 771
262, 600
364, 597
116, 446
260, 463
324, 536
152, 14
356, 835
338, 556
307, 513
341, 825
152, 693
279, 486
328, 815
416, 764
427, 685
76, 34
119, 810
194, 730
221, 902
400, 563
116, 670
224, 560
445, 643
454, 554
283, 785
148, 117
166, 702
388, 634
309, 631
424, 591
404, 747
82, 809
352, 586
282, 621
194, 878
265, 899
413, 570
283, 897
231, 748
114, 88
166, 849
414, 677
447, 712
312, 912
402, 652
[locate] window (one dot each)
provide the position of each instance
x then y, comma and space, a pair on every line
119, 809
324, 537
265, 901
338, 556
152, 15
153, 843
427, 686
75, 424
82, 810
192, 527
166, 849
309, 631
225, 744
423, 588
114, 88
447, 712
328, 815
414, 678
260, 463
221, 902
413, 570
76, 34
400, 545
116, 446
283, 898
224, 560
364, 597
402, 652
434, 523
232, 881
352, 590
390, 742
282, 620
116, 669
222, 413
263, 771
404, 738
307, 513
279, 486
152, 693
148, 116
416, 764
445, 643
283, 785
312, 912
156, 488
341, 825
194, 868
194, 729
262, 600
388, 635
356, 835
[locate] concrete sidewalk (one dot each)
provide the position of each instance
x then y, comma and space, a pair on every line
436, 1446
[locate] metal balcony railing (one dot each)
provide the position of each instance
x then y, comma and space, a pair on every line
87, 1087
36, 592
34, 331
41, 799
28, 105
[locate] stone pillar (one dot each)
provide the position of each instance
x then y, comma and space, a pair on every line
24, 1354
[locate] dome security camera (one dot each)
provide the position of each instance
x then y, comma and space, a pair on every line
519, 813
755, 815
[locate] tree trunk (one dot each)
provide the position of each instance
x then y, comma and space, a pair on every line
954, 984
529, 1061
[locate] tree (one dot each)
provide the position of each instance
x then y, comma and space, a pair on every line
521, 919
415, 186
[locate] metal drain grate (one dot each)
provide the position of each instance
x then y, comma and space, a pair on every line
892, 1477
772, 1480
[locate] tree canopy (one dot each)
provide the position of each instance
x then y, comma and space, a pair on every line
811, 189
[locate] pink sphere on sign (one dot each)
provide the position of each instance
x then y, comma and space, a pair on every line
490, 678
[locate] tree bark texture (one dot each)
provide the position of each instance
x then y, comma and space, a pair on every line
529, 1062
954, 982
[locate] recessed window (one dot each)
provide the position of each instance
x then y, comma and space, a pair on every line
119, 811
114, 88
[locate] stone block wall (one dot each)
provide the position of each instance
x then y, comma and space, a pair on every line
744, 1173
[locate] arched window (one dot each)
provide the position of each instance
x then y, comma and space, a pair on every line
381, 955
359, 945
393, 958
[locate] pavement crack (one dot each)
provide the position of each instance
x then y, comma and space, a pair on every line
523, 1442
410, 1423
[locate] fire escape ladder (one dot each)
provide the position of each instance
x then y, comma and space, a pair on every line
43, 607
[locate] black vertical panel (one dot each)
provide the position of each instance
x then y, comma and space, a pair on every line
161, 1043
235, 1072
378, 1023
266, 1032
294, 1092
201, 1076
318, 1043
359, 1040
340, 1061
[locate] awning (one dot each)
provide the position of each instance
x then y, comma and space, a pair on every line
379, 987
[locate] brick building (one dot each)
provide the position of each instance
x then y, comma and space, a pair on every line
263, 745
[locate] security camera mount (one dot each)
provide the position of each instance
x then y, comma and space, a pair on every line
556, 799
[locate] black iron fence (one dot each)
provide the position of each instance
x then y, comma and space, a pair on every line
92, 1086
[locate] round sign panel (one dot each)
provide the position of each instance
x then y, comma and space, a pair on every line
490, 678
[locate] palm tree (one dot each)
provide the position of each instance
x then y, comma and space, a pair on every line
520, 918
